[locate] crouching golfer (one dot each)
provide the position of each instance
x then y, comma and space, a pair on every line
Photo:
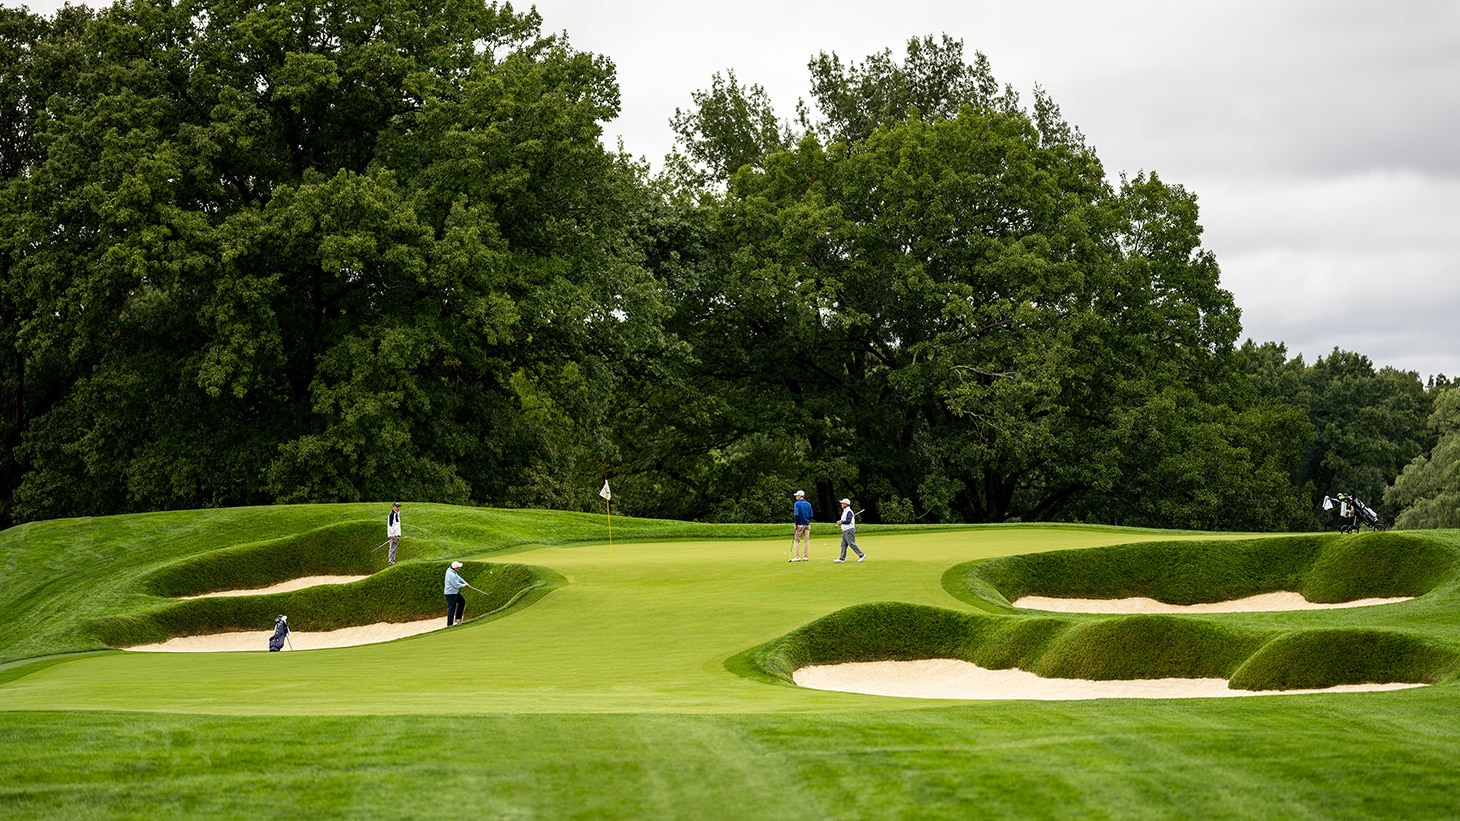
849, 532
455, 602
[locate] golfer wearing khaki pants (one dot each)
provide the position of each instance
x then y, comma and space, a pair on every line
801, 539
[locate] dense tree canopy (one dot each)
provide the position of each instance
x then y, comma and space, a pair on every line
1367, 423
954, 317
310, 251
319, 250
1428, 490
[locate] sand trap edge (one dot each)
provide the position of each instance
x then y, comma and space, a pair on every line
1261, 603
282, 587
258, 640
957, 679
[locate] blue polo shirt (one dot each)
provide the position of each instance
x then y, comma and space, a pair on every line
802, 512
454, 582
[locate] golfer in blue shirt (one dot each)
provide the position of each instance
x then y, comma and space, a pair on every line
455, 602
801, 538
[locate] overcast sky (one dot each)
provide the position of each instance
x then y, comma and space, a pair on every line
1319, 136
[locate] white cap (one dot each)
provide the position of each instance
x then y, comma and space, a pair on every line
846, 501
800, 493
455, 565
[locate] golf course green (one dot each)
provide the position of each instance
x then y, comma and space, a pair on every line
640, 678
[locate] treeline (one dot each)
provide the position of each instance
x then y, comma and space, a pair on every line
292, 251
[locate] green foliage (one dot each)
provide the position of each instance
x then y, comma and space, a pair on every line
295, 252
730, 127
1366, 423
933, 302
1427, 491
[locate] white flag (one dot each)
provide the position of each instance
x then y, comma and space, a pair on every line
1327, 503
605, 493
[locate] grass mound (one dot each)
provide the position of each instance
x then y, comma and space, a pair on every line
1325, 658
1323, 567
1123, 648
333, 550
406, 592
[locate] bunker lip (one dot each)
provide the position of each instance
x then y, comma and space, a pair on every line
282, 587
258, 640
956, 679
1264, 602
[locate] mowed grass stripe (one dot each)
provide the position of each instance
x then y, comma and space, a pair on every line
646, 629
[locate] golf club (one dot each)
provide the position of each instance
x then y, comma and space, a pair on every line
288, 642
384, 543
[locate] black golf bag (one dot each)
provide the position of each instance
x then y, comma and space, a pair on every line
281, 631
1356, 514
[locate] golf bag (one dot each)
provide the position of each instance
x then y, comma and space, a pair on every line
281, 631
1355, 514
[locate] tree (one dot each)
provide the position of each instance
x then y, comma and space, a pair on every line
1427, 492
316, 251
950, 316
1367, 423
729, 127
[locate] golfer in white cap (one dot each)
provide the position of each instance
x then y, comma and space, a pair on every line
801, 538
455, 602
848, 522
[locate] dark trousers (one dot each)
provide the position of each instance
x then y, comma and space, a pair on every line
455, 606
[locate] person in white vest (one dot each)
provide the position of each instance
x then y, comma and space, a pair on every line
848, 522
392, 529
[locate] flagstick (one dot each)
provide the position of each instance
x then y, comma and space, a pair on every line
608, 506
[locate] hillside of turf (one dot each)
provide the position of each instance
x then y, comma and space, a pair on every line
1290, 651
75, 585
1325, 568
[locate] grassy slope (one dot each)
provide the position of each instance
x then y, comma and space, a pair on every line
609, 697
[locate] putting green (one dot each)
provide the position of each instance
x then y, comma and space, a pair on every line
638, 628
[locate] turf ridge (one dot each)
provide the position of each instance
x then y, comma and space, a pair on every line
406, 592
1325, 568
609, 697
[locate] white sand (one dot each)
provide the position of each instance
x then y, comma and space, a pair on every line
283, 587
259, 639
950, 678
1264, 602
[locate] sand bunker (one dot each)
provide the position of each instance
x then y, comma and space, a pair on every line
283, 587
951, 678
259, 639
1265, 602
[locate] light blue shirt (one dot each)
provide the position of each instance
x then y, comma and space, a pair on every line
454, 582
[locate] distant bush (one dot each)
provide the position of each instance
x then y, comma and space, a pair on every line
408, 591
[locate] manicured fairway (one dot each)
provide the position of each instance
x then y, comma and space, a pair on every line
609, 696
646, 629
